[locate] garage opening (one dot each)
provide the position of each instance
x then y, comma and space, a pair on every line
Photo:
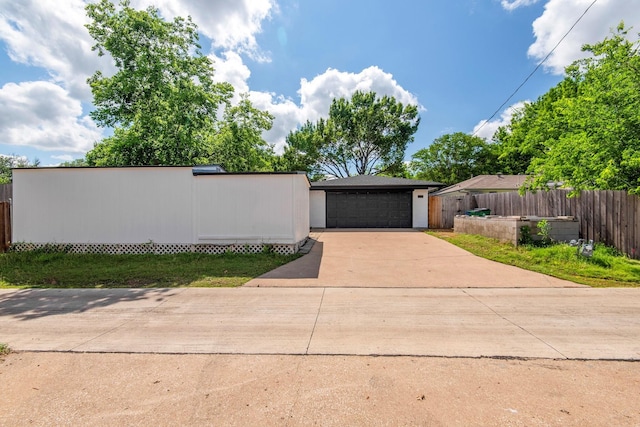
369, 209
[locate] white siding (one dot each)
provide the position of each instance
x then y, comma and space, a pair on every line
420, 209
318, 208
300, 207
163, 205
102, 205
248, 208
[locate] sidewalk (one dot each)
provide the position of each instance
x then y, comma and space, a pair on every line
581, 323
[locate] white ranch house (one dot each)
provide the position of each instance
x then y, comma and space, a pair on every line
200, 209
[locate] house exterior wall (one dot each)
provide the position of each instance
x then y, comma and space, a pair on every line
301, 214
420, 208
318, 209
163, 205
251, 209
110, 205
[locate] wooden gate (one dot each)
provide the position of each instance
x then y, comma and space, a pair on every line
435, 212
442, 210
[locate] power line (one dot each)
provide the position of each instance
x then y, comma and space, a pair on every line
535, 69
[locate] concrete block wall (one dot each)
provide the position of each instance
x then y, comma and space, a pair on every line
561, 230
508, 229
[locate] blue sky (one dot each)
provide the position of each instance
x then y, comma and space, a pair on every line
458, 59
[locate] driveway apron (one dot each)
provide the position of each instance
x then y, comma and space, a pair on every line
397, 259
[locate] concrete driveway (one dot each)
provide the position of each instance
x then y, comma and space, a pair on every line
397, 259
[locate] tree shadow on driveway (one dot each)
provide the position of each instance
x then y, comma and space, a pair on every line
35, 303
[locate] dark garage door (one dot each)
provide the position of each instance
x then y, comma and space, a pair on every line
369, 209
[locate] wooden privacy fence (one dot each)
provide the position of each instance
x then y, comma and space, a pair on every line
609, 217
6, 192
5, 226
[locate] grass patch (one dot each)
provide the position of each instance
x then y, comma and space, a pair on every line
66, 270
607, 268
4, 349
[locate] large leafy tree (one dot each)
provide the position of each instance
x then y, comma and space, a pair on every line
531, 128
162, 101
303, 150
239, 145
454, 157
585, 132
363, 135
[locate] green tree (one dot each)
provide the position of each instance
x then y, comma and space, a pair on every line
364, 135
454, 157
74, 163
531, 128
162, 101
13, 161
585, 133
303, 150
239, 146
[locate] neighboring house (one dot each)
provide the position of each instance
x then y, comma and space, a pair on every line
369, 201
484, 184
159, 209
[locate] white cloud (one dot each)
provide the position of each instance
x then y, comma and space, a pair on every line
231, 24
515, 4
230, 68
288, 116
316, 96
52, 35
63, 157
43, 115
560, 15
486, 129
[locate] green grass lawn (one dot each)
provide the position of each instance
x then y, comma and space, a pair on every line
607, 268
64, 270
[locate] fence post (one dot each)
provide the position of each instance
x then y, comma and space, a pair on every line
5, 226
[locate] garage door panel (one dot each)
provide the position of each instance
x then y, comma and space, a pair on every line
369, 209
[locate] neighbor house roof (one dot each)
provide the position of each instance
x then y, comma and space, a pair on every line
369, 182
485, 183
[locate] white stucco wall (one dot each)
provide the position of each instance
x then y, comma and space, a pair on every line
420, 208
318, 209
163, 205
244, 209
301, 207
102, 205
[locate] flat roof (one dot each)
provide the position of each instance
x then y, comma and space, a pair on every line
197, 170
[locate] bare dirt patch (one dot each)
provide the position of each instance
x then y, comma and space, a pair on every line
148, 389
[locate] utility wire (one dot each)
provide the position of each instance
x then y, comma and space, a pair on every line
535, 69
